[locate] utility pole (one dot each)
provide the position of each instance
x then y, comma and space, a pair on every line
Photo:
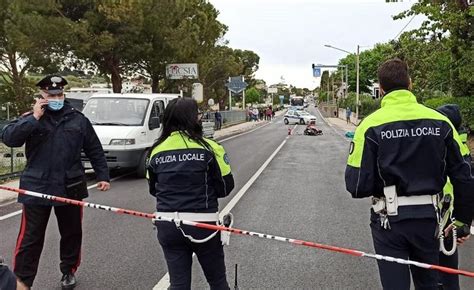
11, 148
243, 96
347, 83
332, 89
230, 98
328, 90
357, 84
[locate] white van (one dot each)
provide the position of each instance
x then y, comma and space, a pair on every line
127, 126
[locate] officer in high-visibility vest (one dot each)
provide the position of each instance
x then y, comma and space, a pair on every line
187, 174
448, 281
401, 156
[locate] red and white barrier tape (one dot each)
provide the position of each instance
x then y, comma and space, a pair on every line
242, 232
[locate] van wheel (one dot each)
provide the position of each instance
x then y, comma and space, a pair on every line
142, 165
302, 122
286, 121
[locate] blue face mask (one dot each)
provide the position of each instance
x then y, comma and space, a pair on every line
55, 105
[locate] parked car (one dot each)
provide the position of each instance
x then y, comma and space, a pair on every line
298, 117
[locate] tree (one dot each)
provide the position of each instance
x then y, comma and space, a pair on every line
370, 60
249, 61
215, 71
28, 39
106, 34
450, 24
252, 96
176, 31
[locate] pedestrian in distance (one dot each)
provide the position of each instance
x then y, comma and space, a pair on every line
401, 156
54, 134
348, 115
447, 281
269, 114
218, 119
255, 113
187, 174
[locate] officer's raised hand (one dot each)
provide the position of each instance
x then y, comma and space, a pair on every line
39, 107
103, 185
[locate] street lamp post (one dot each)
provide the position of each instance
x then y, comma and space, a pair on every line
357, 74
357, 83
11, 148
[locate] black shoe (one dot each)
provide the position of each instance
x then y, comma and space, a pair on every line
68, 281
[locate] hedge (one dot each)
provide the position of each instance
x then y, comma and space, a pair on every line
369, 105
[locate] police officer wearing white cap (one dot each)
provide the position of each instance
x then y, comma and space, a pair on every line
54, 134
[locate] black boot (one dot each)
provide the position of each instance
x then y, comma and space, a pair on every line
68, 281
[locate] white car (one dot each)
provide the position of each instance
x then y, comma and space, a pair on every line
298, 117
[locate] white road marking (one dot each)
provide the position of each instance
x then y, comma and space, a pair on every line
10, 215
164, 282
4, 217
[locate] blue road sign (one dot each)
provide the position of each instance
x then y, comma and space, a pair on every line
236, 84
316, 72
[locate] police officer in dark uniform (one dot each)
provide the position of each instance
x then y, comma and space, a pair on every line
187, 174
449, 281
401, 155
54, 134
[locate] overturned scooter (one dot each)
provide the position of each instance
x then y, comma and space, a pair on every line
311, 129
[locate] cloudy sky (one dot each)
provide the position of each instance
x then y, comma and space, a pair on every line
289, 35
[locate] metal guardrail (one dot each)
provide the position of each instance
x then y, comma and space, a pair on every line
12, 160
230, 117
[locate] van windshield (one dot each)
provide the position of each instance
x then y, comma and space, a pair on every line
116, 111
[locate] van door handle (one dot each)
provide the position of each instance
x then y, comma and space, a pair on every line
143, 133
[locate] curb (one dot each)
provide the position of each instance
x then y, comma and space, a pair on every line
238, 133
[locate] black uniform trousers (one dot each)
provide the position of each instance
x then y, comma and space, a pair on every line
31, 239
412, 239
178, 251
449, 281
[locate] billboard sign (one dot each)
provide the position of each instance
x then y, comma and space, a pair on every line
181, 71
272, 90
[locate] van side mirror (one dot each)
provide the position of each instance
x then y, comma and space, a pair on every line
154, 123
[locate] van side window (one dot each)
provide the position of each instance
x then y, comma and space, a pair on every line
158, 109
161, 105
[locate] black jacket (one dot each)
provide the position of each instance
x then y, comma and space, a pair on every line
186, 177
53, 147
412, 147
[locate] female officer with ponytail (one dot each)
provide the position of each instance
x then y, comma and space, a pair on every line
187, 173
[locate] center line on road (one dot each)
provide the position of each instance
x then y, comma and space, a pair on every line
15, 213
164, 282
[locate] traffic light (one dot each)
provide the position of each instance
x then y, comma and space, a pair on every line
313, 66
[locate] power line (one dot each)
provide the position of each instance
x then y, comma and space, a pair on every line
404, 27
